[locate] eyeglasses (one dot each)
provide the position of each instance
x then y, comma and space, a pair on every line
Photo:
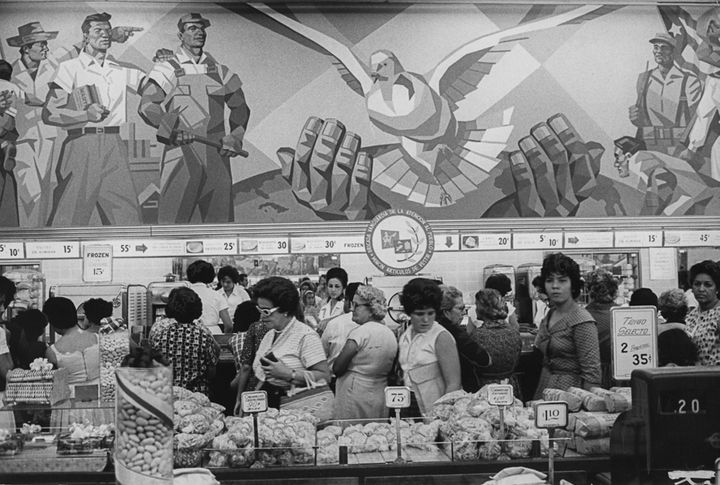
462, 308
266, 312
354, 304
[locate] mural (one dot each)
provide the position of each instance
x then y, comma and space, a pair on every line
173, 113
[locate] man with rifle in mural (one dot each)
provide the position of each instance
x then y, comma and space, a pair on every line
185, 99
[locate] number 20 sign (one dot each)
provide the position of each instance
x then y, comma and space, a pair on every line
397, 397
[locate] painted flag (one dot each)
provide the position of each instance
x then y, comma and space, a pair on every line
683, 28
389, 238
403, 246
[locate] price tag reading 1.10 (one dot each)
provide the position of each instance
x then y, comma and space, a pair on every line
551, 414
397, 397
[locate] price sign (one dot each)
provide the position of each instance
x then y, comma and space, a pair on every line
265, 245
692, 238
134, 248
253, 402
634, 339
52, 249
397, 397
538, 240
638, 239
12, 250
551, 414
500, 394
97, 263
211, 246
447, 241
598, 239
485, 241
331, 244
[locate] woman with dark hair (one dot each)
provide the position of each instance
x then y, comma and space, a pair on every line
95, 310
337, 281
246, 314
567, 337
643, 297
290, 355
703, 322
25, 331
245, 379
215, 314
501, 282
230, 289
499, 338
189, 347
602, 290
427, 352
675, 347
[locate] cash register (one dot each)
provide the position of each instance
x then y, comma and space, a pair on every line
674, 425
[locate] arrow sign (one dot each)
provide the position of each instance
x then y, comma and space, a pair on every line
141, 248
573, 240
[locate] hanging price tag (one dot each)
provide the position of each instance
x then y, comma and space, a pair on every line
397, 397
500, 394
254, 402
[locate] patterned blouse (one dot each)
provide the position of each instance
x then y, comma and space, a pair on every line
704, 328
191, 350
503, 343
251, 343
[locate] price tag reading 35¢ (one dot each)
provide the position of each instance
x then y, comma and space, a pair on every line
253, 402
551, 414
397, 397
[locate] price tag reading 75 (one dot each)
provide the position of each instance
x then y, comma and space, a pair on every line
397, 397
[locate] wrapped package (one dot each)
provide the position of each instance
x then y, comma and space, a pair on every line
574, 402
617, 399
569, 437
595, 446
590, 401
594, 425
464, 447
489, 450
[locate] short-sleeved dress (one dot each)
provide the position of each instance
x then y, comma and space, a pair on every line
359, 392
704, 328
504, 344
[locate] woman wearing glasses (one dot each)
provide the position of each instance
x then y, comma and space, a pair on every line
473, 357
290, 354
364, 363
427, 353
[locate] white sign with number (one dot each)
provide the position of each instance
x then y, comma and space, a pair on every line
253, 402
634, 339
551, 414
264, 245
12, 250
485, 241
538, 240
639, 239
397, 397
501, 394
52, 249
329, 244
692, 238
97, 263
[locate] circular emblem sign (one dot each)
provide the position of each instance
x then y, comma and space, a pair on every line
399, 242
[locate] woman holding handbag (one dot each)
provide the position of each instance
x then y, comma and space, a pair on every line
428, 355
290, 363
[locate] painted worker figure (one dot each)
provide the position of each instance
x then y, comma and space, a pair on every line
196, 177
667, 99
10, 97
93, 171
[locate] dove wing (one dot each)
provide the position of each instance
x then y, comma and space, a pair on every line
460, 72
351, 69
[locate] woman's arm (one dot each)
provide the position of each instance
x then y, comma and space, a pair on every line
51, 357
227, 322
449, 362
242, 378
587, 350
346, 355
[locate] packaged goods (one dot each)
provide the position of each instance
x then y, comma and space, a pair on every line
573, 401
620, 400
593, 424
594, 446
590, 401
10, 443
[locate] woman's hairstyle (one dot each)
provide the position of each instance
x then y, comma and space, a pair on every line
676, 347
673, 305
61, 312
500, 282
281, 292
200, 272
539, 284
601, 286
230, 272
558, 263
421, 294
96, 309
375, 299
450, 295
32, 323
184, 305
246, 313
643, 296
308, 294
306, 285
7, 290
490, 305
707, 267
339, 274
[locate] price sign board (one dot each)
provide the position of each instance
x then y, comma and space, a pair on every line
12, 250
211, 246
264, 245
500, 394
97, 263
253, 402
598, 239
638, 239
538, 240
551, 414
634, 339
52, 249
330, 244
692, 238
447, 241
482, 241
397, 397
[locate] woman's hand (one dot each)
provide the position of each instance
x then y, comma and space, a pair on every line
276, 370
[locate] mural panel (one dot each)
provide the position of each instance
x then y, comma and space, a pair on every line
130, 114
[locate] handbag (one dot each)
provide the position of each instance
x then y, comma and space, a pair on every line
315, 399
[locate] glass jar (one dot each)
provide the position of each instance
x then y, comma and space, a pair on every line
114, 346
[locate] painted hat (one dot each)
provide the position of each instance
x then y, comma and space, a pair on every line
663, 37
194, 18
29, 33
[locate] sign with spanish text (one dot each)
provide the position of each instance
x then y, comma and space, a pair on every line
634, 339
97, 263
